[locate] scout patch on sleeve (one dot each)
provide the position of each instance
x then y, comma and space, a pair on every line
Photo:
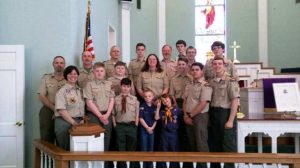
236, 87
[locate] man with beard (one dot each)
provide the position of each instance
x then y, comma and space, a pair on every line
86, 72
50, 84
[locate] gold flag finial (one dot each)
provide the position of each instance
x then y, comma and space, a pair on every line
89, 6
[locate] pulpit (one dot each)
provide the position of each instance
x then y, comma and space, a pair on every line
87, 137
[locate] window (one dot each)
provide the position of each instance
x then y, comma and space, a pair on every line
209, 26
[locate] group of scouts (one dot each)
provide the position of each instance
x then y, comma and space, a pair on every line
161, 105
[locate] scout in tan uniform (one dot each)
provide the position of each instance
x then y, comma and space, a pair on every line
86, 72
218, 49
152, 77
50, 84
126, 118
191, 53
110, 64
136, 65
69, 105
224, 104
181, 46
167, 64
179, 82
177, 86
120, 70
197, 96
99, 99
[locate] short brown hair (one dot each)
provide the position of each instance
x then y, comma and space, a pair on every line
120, 63
98, 64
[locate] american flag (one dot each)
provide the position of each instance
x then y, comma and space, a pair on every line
88, 40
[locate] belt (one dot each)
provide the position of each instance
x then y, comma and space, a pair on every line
127, 123
102, 112
77, 118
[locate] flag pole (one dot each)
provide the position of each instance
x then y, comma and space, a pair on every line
87, 22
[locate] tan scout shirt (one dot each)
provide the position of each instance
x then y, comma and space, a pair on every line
49, 86
229, 66
69, 98
170, 68
195, 92
178, 84
224, 89
155, 81
100, 92
84, 77
134, 69
116, 85
109, 68
132, 109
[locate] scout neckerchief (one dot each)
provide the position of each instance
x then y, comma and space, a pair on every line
168, 115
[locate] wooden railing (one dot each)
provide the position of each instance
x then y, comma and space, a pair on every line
61, 157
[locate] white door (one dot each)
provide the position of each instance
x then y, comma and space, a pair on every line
12, 87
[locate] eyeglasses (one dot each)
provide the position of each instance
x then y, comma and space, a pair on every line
216, 47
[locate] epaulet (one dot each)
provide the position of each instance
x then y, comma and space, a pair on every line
206, 83
80, 69
190, 77
108, 82
228, 61
230, 78
47, 74
132, 97
174, 61
134, 59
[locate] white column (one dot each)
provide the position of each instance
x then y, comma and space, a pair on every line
161, 25
126, 5
263, 32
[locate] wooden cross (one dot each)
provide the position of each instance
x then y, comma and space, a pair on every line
235, 47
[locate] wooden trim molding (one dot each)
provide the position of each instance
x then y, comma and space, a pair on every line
63, 157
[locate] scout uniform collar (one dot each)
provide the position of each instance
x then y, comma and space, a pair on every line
200, 80
140, 60
122, 94
118, 77
76, 87
223, 77
52, 75
98, 81
165, 61
183, 74
90, 70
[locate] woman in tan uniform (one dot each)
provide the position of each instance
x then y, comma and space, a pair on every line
152, 77
69, 106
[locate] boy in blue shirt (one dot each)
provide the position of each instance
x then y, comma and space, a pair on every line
146, 131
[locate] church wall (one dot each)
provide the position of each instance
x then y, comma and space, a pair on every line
144, 26
242, 26
48, 28
180, 22
284, 36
